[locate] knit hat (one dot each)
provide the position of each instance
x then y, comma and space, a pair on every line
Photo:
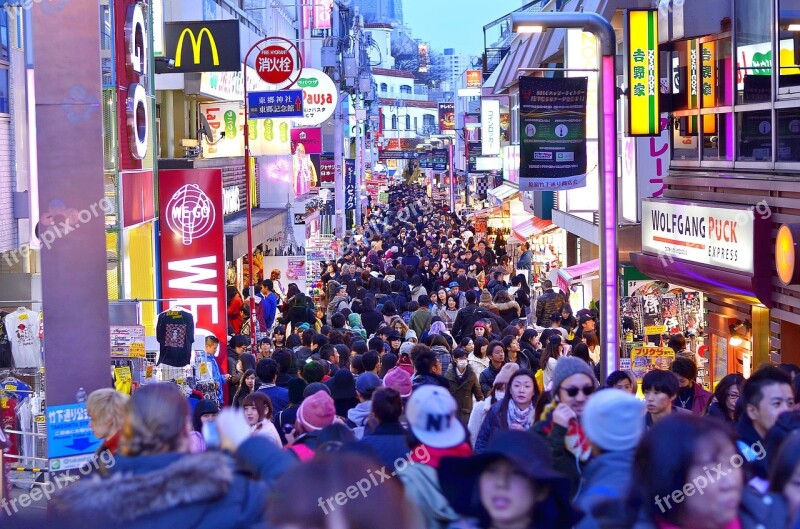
505, 373
480, 324
405, 347
317, 411
367, 383
613, 421
296, 386
568, 366
399, 380
411, 334
303, 327
343, 385
432, 415
486, 297
315, 387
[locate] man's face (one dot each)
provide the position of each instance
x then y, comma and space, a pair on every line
588, 325
212, 349
775, 399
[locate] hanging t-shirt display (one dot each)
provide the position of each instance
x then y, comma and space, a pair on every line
175, 334
22, 327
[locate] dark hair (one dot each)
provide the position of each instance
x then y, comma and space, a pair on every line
268, 283
479, 344
792, 369
752, 392
616, 377
359, 347
551, 350
262, 403
370, 360
503, 409
307, 335
293, 341
211, 340
267, 370
667, 453
357, 363
424, 300
470, 296
375, 344
782, 464
413, 306
493, 344
677, 342
387, 405
660, 381
369, 303
685, 368
424, 362
319, 340
527, 334
389, 308
248, 361
313, 372
591, 339
326, 351
721, 394
388, 361
337, 320
459, 353
581, 350
344, 354
284, 358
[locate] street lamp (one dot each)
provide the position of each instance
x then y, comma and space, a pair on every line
607, 161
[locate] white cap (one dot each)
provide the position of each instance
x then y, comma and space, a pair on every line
432, 416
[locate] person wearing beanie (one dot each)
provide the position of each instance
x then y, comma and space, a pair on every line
411, 337
400, 380
487, 303
613, 424
284, 420
691, 395
495, 395
573, 383
315, 413
343, 391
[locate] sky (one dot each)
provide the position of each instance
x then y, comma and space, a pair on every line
454, 23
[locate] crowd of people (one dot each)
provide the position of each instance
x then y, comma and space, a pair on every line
432, 392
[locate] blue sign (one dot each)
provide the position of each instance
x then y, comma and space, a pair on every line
68, 432
439, 159
278, 104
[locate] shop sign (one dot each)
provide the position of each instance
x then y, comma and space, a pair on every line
209, 46
786, 254
133, 87
317, 15
309, 138
644, 359
645, 162
229, 86
320, 97
327, 172
228, 118
553, 133
269, 136
490, 127
68, 431
699, 233
277, 104
644, 117
447, 116
438, 159
192, 245
474, 78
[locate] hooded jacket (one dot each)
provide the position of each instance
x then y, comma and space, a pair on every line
337, 303
509, 310
607, 477
176, 491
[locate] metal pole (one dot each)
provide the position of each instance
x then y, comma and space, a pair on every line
452, 176
338, 164
250, 288
607, 164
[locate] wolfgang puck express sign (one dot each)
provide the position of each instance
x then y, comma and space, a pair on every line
701, 233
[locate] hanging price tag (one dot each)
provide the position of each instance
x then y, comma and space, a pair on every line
123, 374
148, 372
23, 316
136, 350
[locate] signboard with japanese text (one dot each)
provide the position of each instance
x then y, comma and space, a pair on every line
645, 164
320, 97
280, 104
327, 172
269, 136
350, 191
447, 116
310, 139
68, 431
644, 359
474, 78
438, 159
278, 63
209, 46
127, 340
490, 127
552, 133
644, 116
227, 118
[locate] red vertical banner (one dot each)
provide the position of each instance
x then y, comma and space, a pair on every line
192, 248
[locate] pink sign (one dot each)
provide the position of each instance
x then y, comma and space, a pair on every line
309, 139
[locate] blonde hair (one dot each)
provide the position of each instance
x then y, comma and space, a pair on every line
156, 423
108, 407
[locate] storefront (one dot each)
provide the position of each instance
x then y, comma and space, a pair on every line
709, 249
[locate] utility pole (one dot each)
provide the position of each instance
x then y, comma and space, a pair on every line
338, 134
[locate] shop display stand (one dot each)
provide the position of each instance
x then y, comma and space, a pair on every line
318, 250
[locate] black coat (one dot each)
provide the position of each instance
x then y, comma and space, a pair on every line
387, 442
371, 319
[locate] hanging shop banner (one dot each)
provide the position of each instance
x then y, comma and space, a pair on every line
269, 136
553, 133
644, 116
227, 118
708, 57
490, 127
309, 138
700, 233
447, 116
327, 172
474, 78
209, 46
320, 97
350, 190
192, 245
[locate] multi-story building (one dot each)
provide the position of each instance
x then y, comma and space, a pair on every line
381, 11
454, 64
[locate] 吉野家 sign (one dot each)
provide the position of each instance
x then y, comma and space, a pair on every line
644, 117
281, 104
552, 133
208, 46
474, 78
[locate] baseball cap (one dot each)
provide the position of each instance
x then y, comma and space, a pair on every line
453, 284
431, 413
367, 383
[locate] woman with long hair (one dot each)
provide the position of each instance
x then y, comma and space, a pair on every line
550, 356
389, 312
593, 344
514, 412
508, 308
725, 402
521, 292
439, 301
247, 385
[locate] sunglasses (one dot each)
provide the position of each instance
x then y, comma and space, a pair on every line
573, 392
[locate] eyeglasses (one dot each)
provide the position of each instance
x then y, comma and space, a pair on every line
573, 392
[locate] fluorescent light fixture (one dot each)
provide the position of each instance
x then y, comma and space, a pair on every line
529, 28
488, 163
469, 92
793, 27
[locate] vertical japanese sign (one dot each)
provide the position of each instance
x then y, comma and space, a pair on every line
349, 192
447, 116
553, 133
644, 118
708, 69
474, 78
192, 245
327, 171
490, 127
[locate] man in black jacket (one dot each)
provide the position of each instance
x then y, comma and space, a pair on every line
466, 317
549, 302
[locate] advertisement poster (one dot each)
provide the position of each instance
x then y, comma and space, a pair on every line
310, 138
269, 137
552, 133
327, 172
505, 123
305, 174
447, 116
227, 118
349, 191
644, 359
296, 269
651, 315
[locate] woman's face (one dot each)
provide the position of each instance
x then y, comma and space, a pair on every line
791, 492
564, 314
514, 345
100, 429
398, 327
250, 381
479, 332
470, 347
719, 504
578, 401
507, 495
451, 304
251, 414
522, 391
732, 397
442, 295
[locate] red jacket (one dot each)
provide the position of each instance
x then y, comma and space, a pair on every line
235, 318
700, 399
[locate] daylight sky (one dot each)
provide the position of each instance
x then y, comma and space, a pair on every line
454, 23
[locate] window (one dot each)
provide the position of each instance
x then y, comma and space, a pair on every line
684, 141
384, 87
429, 121
789, 48
405, 89
755, 136
789, 135
3, 34
394, 121
416, 124
718, 142
408, 122
3, 90
753, 52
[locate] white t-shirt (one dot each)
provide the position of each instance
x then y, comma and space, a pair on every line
269, 431
22, 327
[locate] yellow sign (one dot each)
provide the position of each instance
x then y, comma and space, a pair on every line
708, 68
651, 330
148, 372
196, 43
136, 350
644, 118
644, 359
786, 253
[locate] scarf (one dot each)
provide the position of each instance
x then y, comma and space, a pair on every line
575, 440
523, 418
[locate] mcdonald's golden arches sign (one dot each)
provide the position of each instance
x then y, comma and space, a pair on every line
210, 46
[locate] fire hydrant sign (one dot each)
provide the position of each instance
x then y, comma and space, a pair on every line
68, 431
280, 104
278, 62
